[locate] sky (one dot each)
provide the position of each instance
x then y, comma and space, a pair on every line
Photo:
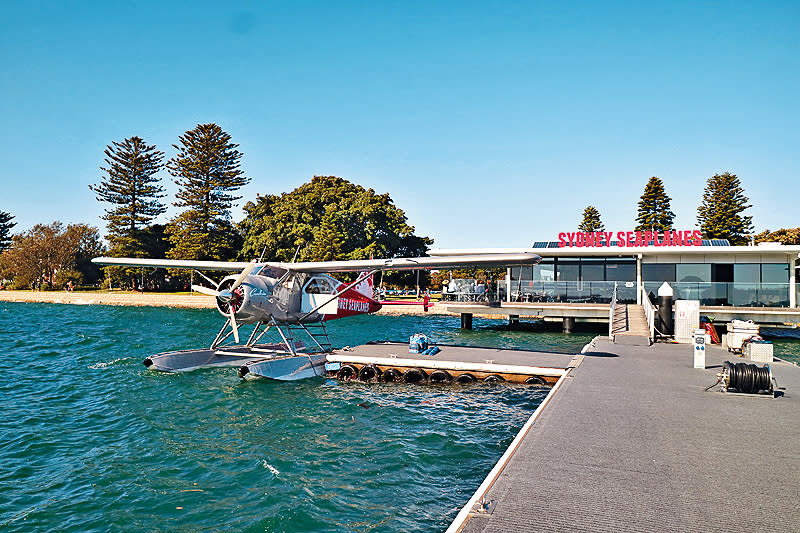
490, 124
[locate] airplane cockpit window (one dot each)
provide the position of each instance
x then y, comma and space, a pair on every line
319, 285
271, 271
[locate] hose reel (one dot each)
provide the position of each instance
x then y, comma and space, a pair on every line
745, 378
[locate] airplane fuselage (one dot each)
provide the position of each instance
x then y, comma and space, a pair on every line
293, 297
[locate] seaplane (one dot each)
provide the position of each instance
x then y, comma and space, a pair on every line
295, 299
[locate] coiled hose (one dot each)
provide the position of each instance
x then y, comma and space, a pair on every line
747, 378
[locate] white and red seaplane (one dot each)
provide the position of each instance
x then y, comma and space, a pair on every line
289, 298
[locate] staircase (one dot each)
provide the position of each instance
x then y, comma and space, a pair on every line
629, 326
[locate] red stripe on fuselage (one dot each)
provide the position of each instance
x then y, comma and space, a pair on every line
352, 302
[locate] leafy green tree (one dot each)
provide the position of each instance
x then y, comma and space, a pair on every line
329, 218
50, 255
591, 220
5, 229
786, 236
654, 208
207, 171
720, 214
132, 189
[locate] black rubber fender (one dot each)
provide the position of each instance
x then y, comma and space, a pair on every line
442, 377
493, 378
347, 372
391, 375
534, 380
465, 379
415, 375
369, 373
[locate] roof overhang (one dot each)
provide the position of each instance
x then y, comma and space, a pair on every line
625, 251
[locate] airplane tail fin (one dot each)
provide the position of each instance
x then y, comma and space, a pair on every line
366, 287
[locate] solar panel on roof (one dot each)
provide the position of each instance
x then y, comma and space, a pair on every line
720, 242
553, 245
540, 244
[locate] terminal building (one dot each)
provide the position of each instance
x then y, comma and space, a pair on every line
581, 272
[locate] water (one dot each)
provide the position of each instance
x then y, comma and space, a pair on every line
90, 440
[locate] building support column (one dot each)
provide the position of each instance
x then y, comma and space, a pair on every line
466, 320
638, 279
792, 281
568, 324
508, 284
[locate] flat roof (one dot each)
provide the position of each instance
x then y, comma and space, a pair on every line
621, 251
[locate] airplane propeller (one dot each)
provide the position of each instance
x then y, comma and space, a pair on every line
205, 290
227, 295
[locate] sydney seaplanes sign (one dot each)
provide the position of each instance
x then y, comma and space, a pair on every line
599, 239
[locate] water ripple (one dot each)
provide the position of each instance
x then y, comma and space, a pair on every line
92, 441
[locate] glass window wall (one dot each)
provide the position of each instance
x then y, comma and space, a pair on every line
775, 273
567, 270
653, 272
747, 273
693, 272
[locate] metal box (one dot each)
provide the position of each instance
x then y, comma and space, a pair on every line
687, 319
760, 352
738, 332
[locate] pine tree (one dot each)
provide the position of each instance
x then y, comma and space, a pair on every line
719, 216
132, 189
5, 229
654, 209
207, 170
591, 220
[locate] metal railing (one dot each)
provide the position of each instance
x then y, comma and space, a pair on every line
611, 309
649, 311
736, 294
572, 291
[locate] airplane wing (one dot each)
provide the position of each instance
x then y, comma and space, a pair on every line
397, 263
170, 263
414, 263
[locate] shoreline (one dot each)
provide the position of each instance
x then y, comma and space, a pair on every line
154, 299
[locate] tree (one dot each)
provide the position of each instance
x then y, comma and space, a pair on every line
654, 209
52, 255
786, 236
132, 189
591, 220
329, 218
719, 216
207, 170
5, 229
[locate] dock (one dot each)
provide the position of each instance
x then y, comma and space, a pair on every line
391, 361
628, 440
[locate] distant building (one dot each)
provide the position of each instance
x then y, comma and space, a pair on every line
585, 268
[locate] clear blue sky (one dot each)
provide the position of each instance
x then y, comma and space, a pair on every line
488, 123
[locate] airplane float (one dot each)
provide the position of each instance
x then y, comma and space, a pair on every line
289, 298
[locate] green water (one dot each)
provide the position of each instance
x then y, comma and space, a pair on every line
91, 441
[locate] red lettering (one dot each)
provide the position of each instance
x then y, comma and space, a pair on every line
562, 241
579, 240
687, 238
677, 238
697, 236
621, 239
607, 235
629, 238
640, 239
647, 237
571, 237
667, 241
